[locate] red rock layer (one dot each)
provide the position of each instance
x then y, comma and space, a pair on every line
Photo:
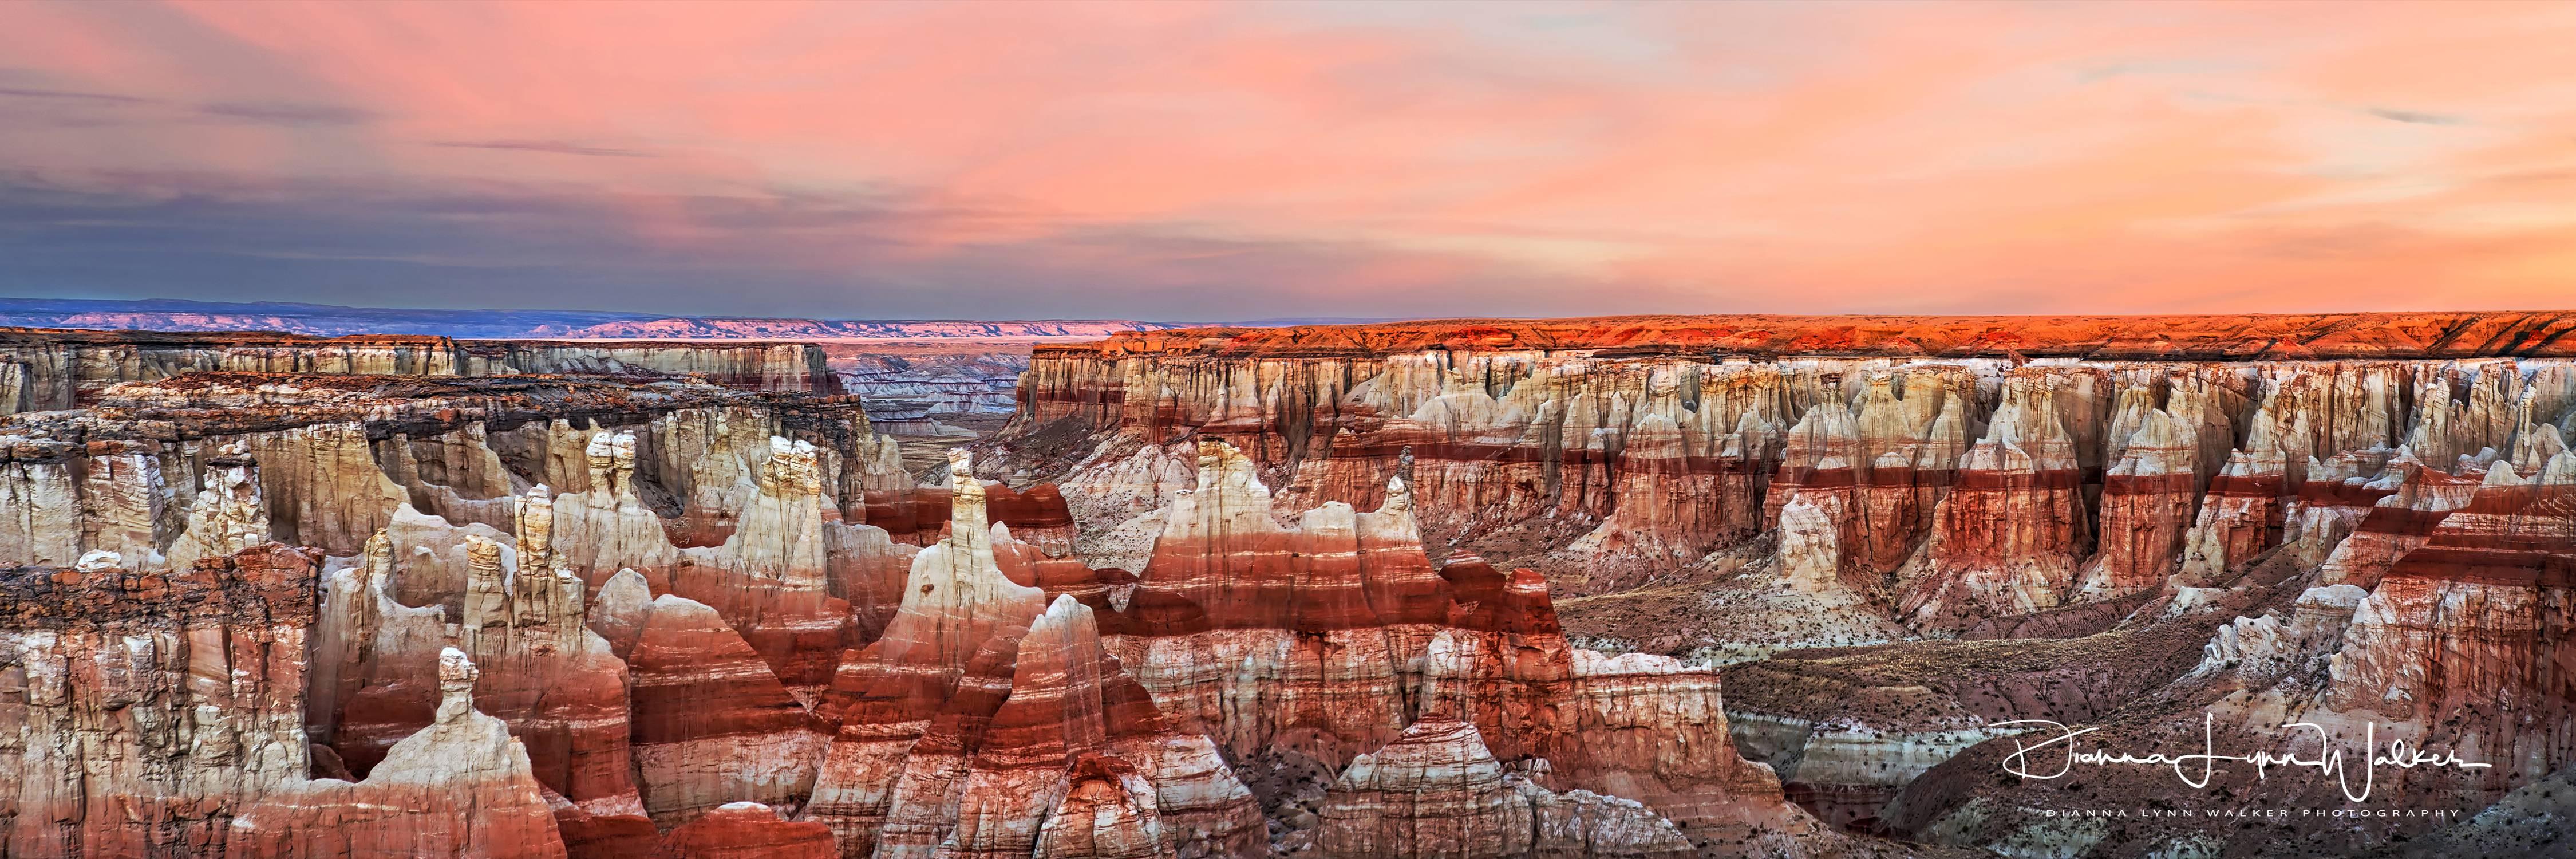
799, 585
2439, 622
1070, 708
1262, 635
916, 516
884, 698
1908, 455
1520, 447
1108, 811
2418, 497
2468, 636
712, 725
2149, 494
375, 661
145, 711
559, 688
1221, 552
2007, 538
1858, 487
2244, 511
968, 724
746, 830
461, 787
770, 578
1603, 455
1640, 726
1437, 791
1025, 564
1320, 639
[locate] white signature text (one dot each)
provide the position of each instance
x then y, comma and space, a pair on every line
2196, 769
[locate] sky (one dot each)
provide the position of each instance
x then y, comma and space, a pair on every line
1180, 160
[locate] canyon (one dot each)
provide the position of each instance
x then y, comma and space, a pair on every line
1637, 586
919, 376
929, 392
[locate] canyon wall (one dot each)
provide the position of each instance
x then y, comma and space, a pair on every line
1902, 531
42, 369
937, 380
144, 710
326, 320
578, 614
1600, 588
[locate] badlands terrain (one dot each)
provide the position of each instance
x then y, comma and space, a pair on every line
1617, 587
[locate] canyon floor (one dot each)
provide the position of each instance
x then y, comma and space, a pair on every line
1644, 586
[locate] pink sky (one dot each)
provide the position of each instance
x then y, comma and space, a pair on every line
1210, 161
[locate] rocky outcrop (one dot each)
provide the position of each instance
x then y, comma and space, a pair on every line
2431, 625
336, 456
501, 570
2465, 635
2141, 483
374, 660
2276, 336
968, 723
228, 514
746, 830
712, 725
1314, 624
1436, 791
64, 369
938, 380
460, 787
556, 686
145, 710
2007, 538
2149, 494
770, 578
955, 632
756, 366
1302, 646
1959, 481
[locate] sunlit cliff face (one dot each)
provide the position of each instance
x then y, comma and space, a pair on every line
1127, 158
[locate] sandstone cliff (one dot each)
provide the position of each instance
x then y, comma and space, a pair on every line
42, 369
1773, 602
145, 711
2089, 504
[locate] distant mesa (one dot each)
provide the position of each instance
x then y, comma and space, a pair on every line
328, 320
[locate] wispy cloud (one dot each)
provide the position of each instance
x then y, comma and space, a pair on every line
282, 113
550, 147
2416, 116
67, 95
285, 113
